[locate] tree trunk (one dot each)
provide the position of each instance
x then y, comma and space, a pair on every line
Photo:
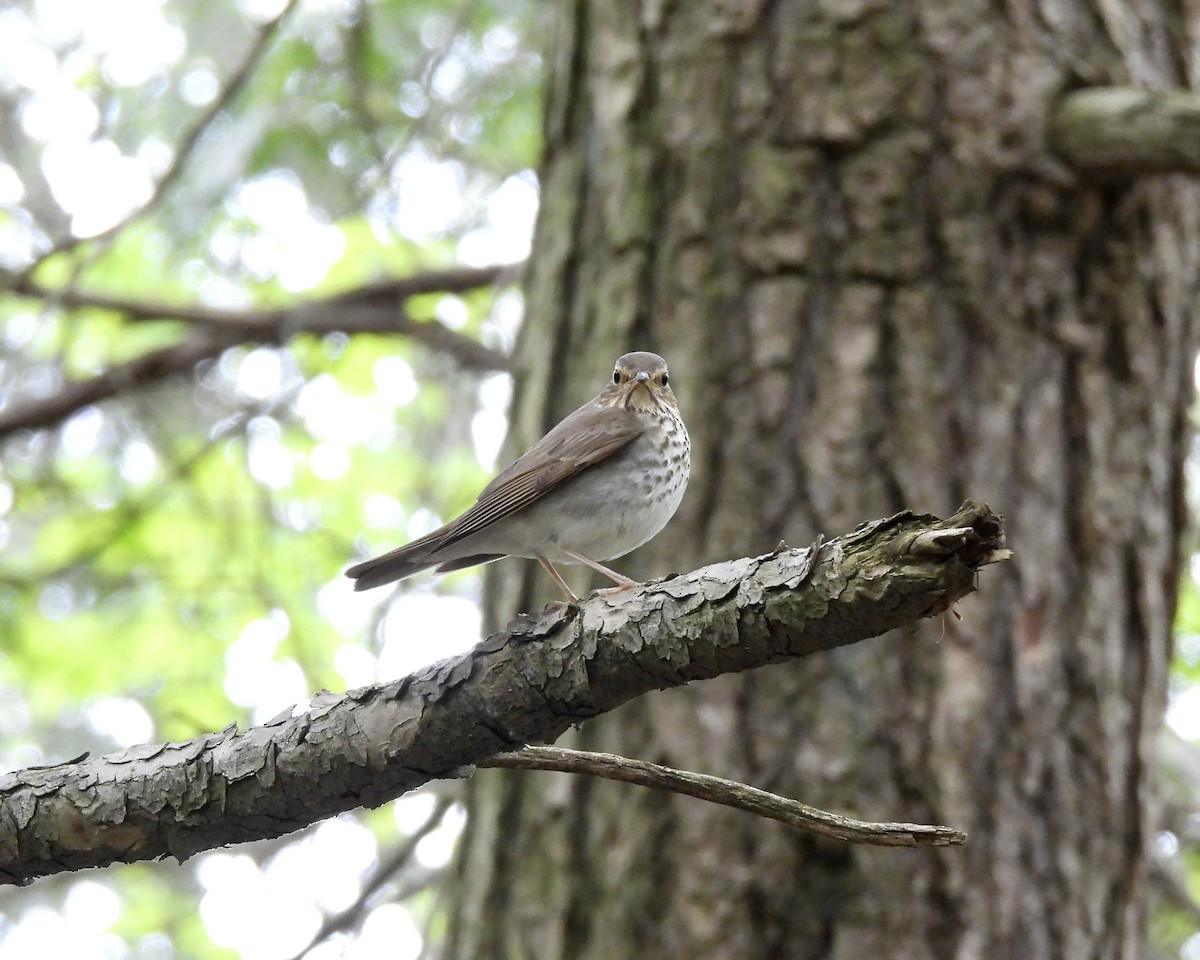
876, 289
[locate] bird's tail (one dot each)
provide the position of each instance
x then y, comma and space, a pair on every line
412, 558
396, 564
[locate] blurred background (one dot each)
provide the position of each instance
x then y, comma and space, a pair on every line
174, 526
259, 270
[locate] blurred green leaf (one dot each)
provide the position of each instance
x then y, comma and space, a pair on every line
148, 539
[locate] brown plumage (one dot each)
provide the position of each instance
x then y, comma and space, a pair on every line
602, 482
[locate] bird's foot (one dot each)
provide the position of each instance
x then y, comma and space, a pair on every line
624, 584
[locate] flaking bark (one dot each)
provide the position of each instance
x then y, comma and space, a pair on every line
526, 684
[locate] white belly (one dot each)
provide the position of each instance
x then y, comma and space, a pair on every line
603, 513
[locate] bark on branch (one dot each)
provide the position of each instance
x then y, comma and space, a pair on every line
526, 684
1126, 132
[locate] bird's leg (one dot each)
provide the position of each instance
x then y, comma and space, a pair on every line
557, 578
622, 582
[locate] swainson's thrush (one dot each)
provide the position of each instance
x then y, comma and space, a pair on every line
602, 482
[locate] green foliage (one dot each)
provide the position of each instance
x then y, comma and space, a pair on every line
161, 546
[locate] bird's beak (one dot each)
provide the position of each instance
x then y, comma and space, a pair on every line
639, 379
629, 389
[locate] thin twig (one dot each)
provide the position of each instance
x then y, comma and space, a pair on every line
423, 75
126, 516
387, 868
1167, 877
233, 86
729, 793
229, 91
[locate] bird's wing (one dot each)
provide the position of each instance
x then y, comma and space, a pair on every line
587, 437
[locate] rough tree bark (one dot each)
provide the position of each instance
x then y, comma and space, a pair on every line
877, 288
524, 685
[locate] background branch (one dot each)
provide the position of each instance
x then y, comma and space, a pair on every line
1169, 879
527, 684
1124, 132
230, 89
151, 367
392, 864
728, 793
372, 308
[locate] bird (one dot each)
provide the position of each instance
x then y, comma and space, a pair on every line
601, 483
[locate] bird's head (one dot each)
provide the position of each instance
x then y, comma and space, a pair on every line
640, 381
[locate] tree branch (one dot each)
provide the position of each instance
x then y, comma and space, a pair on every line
230, 89
387, 868
319, 315
1126, 132
149, 368
372, 308
526, 684
728, 793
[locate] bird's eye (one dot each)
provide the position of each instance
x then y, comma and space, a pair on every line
665, 378
616, 376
